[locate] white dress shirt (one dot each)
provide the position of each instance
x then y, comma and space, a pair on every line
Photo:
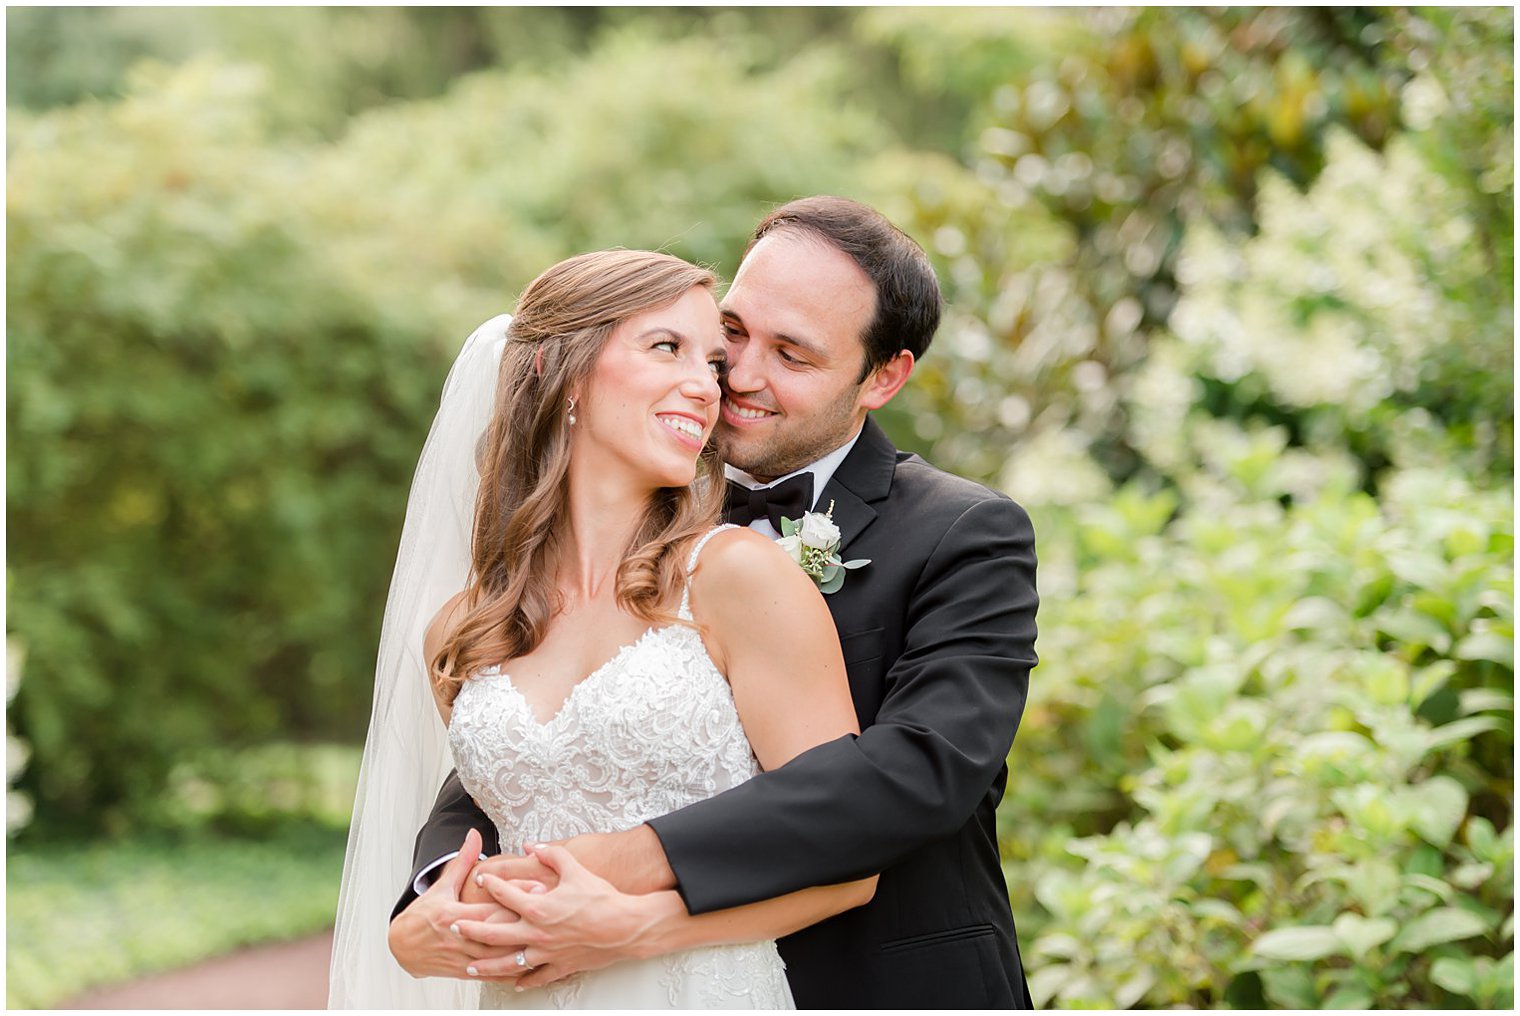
822, 470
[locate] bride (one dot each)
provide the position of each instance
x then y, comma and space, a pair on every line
603, 652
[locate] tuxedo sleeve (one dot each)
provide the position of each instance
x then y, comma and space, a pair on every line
454, 814
852, 807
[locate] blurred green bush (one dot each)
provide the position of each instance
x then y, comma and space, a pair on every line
224, 351
1273, 765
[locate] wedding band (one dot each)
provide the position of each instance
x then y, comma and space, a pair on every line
522, 958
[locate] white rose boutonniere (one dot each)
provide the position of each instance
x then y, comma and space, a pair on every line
813, 542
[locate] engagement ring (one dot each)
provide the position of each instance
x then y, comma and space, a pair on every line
522, 958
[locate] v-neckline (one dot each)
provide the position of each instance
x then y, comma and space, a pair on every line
575, 688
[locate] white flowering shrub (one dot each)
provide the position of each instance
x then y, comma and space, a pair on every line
1356, 304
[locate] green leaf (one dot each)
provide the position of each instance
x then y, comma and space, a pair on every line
1481, 838
1245, 991
1046, 982
1290, 987
788, 527
1487, 645
1302, 943
1361, 935
1457, 976
1445, 924
1132, 991
832, 584
1415, 629
1349, 996
859, 562
1480, 700
1461, 730
1434, 886
1439, 805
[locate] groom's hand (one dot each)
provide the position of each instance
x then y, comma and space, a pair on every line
508, 867
584, 923
422, 937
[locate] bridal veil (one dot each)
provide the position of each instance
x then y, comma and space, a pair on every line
406, 753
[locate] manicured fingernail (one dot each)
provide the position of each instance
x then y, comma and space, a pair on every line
454, 927
480, 880
518, 988
536, 887
472, 971
539, 846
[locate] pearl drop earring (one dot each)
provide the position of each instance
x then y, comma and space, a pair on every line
570, 411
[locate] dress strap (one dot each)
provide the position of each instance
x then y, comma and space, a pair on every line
691, 565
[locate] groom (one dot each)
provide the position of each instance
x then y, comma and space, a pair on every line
938, 637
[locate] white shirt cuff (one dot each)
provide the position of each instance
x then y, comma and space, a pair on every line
427, 876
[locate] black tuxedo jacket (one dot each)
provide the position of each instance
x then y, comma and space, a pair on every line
938, 635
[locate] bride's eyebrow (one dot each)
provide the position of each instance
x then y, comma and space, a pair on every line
662, 330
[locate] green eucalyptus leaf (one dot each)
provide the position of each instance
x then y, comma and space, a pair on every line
788, 527
832, 584
859, 562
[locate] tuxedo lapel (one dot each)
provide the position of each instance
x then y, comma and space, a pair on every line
862, 479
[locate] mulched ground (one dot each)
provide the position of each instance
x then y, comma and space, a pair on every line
291, 975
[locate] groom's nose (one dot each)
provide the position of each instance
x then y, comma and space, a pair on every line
740, 376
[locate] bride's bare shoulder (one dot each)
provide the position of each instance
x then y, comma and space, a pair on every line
737, 567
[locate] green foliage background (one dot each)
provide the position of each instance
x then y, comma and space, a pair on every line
1230, 311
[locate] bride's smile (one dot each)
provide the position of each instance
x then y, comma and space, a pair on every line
651, 401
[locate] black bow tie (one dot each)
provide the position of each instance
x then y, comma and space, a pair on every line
789, 498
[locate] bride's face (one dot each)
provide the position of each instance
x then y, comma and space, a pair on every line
652, 399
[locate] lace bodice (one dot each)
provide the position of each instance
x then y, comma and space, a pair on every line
651, 730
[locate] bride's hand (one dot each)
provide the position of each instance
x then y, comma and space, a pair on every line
509, 867
583, 923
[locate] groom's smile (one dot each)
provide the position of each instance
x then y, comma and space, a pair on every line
793, 321
743, 412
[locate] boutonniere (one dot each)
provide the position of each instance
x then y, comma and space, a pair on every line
813, 542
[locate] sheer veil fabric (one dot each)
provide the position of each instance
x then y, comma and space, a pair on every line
406, 752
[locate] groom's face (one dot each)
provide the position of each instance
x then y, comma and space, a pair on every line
793, 321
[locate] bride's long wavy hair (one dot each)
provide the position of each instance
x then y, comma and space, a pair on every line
562, 322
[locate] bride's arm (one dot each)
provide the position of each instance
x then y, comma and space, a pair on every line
769, 630
438, 631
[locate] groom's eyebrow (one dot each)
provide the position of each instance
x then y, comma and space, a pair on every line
808, 346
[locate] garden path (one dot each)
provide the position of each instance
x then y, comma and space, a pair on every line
288, 975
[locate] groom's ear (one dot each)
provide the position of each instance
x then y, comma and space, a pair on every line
885, 381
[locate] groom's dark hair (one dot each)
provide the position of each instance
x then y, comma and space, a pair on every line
908, 301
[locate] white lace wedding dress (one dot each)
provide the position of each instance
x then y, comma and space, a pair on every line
651, 730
